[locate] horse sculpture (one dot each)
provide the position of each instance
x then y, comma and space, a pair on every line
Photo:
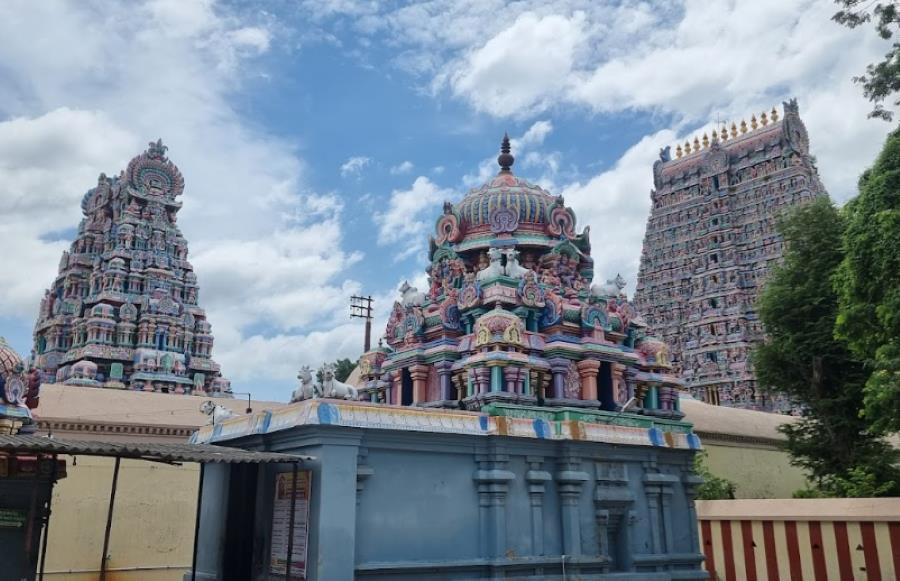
495, 268
308, 388
333, 388
217, 413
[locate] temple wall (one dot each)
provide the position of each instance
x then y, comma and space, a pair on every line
414, 505
153, 520
758, 471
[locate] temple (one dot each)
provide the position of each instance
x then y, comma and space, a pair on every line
510, 316
710, 243
123, 312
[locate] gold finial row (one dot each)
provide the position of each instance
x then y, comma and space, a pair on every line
725, 134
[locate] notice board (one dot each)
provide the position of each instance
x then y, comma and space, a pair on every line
281, 522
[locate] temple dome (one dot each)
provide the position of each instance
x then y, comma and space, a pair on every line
529, 203
10, 362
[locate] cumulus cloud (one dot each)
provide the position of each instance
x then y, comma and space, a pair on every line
408, 215
91, 90
353, 166
402, 168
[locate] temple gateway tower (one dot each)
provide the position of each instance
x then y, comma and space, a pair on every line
123, 312
710, 243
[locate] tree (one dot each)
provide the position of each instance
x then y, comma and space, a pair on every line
880, 79
342, 370
802, 359
713, 487
869, 285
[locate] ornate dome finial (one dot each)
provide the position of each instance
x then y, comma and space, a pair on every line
505, 159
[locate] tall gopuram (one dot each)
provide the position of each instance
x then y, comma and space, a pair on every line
123, 312
710, 243
510, 315
568, 460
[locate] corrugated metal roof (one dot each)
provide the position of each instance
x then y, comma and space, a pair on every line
203, 453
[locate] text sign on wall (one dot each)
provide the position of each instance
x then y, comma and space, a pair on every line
281, 523
12, 519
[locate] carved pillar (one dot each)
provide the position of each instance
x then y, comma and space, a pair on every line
570, 480
482, 380
396, 387
492, 480
691, 483
419, 374
588, 370
537, 480
620, 388
445, 374
658, 487
559, 367
509, 378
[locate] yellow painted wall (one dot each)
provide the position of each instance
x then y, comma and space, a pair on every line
153, 521
757, 472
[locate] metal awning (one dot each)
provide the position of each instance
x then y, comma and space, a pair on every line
201, 453
168, 453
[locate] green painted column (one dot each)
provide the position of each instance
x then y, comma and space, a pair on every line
653, 398
470, 387
496, 378
677, 402
526, 387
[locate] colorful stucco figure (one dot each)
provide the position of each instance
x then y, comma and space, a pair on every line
123, 311
510, 315
17, 391
711, 241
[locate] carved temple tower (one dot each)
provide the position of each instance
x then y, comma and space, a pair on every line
123, 312
711, 240
510, 316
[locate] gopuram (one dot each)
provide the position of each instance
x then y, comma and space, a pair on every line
123, 312
516, 423
710, 243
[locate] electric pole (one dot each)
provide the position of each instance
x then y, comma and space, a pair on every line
361, 308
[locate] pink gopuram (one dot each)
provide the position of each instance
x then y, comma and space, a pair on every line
123, 312
711, 241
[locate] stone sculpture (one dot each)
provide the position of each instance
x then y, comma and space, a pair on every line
216, 412
494, 268
333, 388
308, 388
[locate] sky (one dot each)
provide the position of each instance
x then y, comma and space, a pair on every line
319, 139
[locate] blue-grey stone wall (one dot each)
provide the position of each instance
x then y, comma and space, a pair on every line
392, 504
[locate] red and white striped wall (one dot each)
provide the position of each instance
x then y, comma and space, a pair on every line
799, 540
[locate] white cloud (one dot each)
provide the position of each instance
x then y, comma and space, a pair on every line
91, 90
402, 168
408, 215
353, 166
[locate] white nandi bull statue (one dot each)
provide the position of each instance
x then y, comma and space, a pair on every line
410, 296
217, 413
513, 269
495, 268
333, 388
612, 288
308, 388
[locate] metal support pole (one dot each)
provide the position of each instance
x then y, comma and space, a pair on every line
109, 515
48, 511
197, 522
368, 342
290, 547
32, 509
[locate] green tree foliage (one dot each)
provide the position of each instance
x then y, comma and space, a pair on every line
713, 487
802, 359
869, 285
881, 79
342, 369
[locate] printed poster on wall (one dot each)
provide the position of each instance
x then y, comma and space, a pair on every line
281, 523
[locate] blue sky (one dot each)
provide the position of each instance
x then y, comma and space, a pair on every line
318, 139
